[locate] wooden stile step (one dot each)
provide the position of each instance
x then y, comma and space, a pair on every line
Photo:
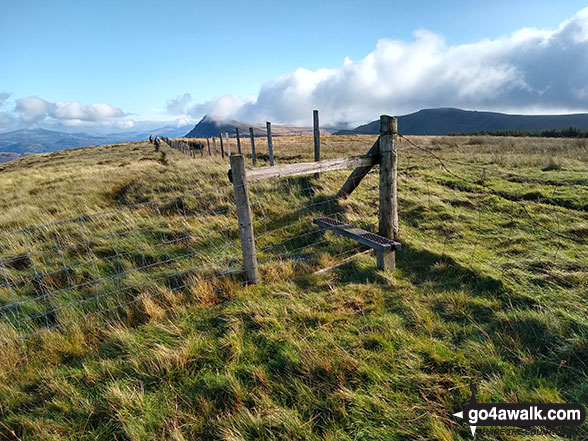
372, 240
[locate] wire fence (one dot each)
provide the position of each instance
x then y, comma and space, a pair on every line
101, 264
515, 226
58, 273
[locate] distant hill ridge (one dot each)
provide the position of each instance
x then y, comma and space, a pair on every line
29, 141
209, 127
445, 121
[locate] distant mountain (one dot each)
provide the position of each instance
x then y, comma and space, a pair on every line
167, 131
25, 142
42, 141
209, 127
445, 121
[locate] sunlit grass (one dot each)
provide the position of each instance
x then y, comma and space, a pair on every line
490, 285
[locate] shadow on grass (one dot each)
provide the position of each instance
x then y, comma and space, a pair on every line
443, 272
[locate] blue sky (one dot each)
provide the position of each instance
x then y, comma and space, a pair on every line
234, 58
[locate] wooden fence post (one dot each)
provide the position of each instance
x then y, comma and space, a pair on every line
220, 135
228, 143
388, 214
238, 140
244, 217
317, 139
270, 146
214, 145
252, 145
208, 144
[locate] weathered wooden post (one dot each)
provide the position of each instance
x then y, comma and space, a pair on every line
220, 135
238, 140
214, 145
244, 217
317, 139
270, 146
252, 145
388, 214
228, 143
208, 144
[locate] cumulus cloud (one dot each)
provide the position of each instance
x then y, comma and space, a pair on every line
3, 97
7, 119
528, 71
223, 107
179, 104
34, 109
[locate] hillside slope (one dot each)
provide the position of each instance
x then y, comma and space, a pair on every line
445, 121
490, 286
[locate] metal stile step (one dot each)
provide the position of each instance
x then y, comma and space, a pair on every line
364, 237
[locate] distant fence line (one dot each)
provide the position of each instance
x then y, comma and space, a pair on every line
103, 263
207, 146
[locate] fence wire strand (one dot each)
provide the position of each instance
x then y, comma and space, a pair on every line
61, 272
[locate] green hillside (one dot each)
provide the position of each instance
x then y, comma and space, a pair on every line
490, 286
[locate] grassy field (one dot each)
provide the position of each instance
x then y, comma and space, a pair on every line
491, 286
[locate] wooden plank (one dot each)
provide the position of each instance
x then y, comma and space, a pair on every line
359, 173
364, 237
238, 140
306, 168
244, 218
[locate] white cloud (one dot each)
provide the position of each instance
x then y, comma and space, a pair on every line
223, 107
178, 105
32, 108
73, 113
529, 71
3, 97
